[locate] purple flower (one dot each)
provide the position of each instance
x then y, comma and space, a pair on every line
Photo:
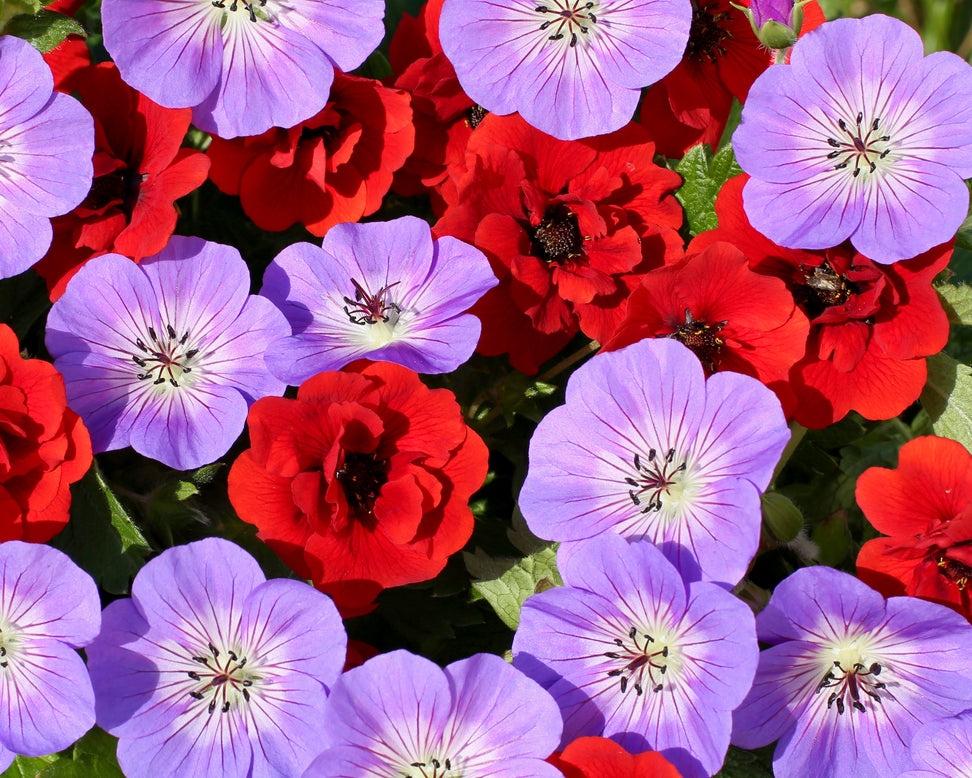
243, 67
572, 68
400, 715
861, 138
943, 749
629, 651
851, 677
48, 608
210, 669
383, 290
648, 448
165, 356
46, 144
763, 11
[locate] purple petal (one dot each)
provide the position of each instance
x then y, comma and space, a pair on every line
347, 33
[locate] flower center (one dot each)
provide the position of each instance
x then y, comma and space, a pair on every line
371, 309
653, 478
163, 359
237, 3
431, 767
9, 642
850, 678
860, 145
557, 239
563, 19
475, 115
362, 476
707, 34
221, 678
119, 187
703, 339
645, 661
955, 571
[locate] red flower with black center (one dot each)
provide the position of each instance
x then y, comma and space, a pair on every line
139, 172
44, 446
871, 325
598, 757
361, 483
570, 228
925, 506
335, 167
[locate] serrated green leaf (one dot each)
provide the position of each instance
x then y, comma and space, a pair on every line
947, 398
514, 580
957, 302
29, 766
703, 175
206, 474
43, 30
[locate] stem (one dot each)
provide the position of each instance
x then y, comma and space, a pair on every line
578, 355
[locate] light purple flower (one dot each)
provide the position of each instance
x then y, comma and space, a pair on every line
859, 137
631, 652
943, 749
48, 608
400, 715
572, 68
851, 677
46, 143
243, 67
211, 670
382, 290
648, 448
167, 355
763, 11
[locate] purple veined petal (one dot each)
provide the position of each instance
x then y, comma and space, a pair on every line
46, 696
771, 10
6, 757
47, 595
170, 50
26, 82
346, 33
24, 239
438, 349
462, 275
944, 747
271, 76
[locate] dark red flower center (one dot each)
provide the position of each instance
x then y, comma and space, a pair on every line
119, 187
851, 683
703, 339
163, 359
567, 18
707, 33
475, 115
955, 571
222, 676
860, 144
653, 478
557, 239
362, 476
645, 662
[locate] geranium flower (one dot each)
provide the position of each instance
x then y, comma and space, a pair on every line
362, 482
167, 355
850, 677
871, 326
400, 714
333, 167
648, 448
598, 757
631, 652
46, 142
925, 505
210, 669
140, 171
383, 290
861, 137
48, 608
570, 228
242, 67
572, 68
942, 749
44, 447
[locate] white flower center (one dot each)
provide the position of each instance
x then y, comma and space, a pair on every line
222, 679
644, 660
377, 314
859, 146
661, 484
568, 21
850, 676
165, 361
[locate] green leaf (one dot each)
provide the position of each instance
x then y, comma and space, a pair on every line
963, 239
747, 764
506, 583
957, 302
43, 30
704, 175
10, 9
101, 537
92, 755
29, 766
947, 398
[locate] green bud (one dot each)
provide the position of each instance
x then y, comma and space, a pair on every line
781, 517
774, 35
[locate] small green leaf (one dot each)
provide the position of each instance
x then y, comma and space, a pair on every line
10, 9
43, 30
963, 239
832, 537
376, 66
206, 473
747, 764
29, 766
704, 175
947, 398
510, 581
957, 302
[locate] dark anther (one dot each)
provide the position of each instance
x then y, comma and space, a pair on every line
618, 642
842, 125
191, 353
670, 455
833, 154
194, 675
874, 126
658, 688
614, 673
592, 17
158, 381
138, 342
546, 24
152, 335
171, 330
854, 704
634, 496
573, 37
638, 689
841, 165
857, 172
632, 632
212, 706
137, 361
214, 651
541, 9
203, 660
556, 37
246, 695
624, 684
448, 764
173, 382
3, 651
225, 708
875, 668
612, 655
4, 663
860, 118
197, 695
247, 682
834, 143
232, 655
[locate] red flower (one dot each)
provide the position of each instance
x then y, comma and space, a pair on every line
44, 447
140, 171
335, 167
362, 482
871, 325
570, 228
925, 505
732, 318
598, 757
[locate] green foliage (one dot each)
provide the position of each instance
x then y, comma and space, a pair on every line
44, 29
93, 755
747, 764
947, 398
957, 302
506, 583
704, 175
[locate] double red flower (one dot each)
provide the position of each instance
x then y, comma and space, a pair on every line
598, 757
361, 483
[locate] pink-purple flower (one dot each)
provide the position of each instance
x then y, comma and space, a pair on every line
860, 137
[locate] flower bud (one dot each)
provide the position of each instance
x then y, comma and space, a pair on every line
781, 517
